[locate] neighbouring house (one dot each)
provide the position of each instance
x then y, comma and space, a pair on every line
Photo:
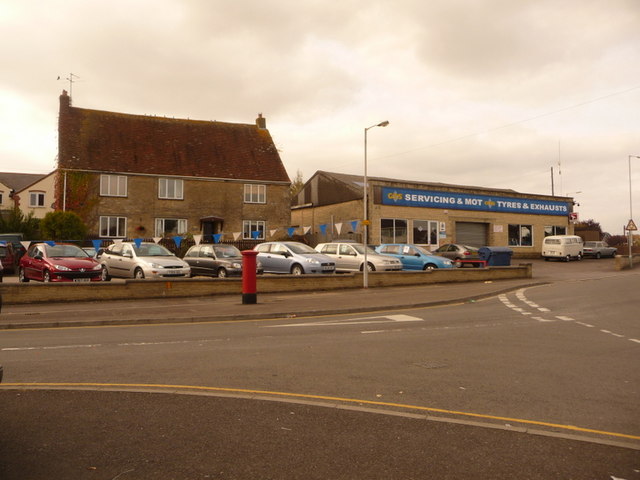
135, 176
330, 205
32, 193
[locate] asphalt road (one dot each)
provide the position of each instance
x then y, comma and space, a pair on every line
538, 383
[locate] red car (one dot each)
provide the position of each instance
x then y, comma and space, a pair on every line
49, 262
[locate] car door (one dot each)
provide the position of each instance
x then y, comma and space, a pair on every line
410, 258
192, 258
265, 257
125, 263
281, 258
34, 263
207, 261
347, 258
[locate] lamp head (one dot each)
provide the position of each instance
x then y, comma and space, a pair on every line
383, 124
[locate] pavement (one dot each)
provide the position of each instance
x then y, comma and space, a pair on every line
287, 305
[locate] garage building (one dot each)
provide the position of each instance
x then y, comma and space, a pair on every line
429, 214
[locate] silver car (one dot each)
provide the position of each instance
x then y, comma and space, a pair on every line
149, 260
292, 257
349, 257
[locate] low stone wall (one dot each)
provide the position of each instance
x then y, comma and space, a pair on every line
621, 262
34, 292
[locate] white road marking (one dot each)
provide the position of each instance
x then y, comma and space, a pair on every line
353, 321
566, 319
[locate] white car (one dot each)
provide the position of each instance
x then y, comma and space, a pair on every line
149, 260
349, 257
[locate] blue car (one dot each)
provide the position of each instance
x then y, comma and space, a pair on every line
414, 257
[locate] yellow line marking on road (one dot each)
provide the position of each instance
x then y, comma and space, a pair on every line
329, 398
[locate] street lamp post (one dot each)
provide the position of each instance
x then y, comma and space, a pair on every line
365, 221
630, 231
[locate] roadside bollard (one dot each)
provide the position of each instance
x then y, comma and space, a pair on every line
249, 295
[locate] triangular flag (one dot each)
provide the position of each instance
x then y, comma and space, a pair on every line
272, 232
197, 239
217, 237
290, 230
305, 230
339, 227
137, 242
255, 234
97, 244
236, 235
51, 243
157, 239
178, 240
323, 229
26, 244
354, 225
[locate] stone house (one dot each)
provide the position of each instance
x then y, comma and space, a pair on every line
135, 176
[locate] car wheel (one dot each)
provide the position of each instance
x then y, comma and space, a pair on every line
104, 274
567, 258
222, 273
21, 276
138, 274
430, 266
597, 254
457, 263
370, 267
297, 270
579, 257
46, 276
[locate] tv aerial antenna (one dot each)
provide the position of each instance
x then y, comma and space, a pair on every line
71, 79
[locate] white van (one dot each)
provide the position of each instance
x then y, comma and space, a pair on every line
562, 247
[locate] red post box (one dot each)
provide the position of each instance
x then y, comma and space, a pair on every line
249, 262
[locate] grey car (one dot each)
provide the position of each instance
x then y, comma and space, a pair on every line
598, 249
217, 260
458, 253
292, 257
349, 257
148, 260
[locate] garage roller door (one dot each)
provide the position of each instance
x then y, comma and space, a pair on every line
472, 234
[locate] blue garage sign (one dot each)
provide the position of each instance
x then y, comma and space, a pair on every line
462, 201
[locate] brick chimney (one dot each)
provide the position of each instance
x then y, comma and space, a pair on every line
261, 122
65, 100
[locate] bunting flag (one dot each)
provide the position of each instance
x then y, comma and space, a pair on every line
354, 225
156, 239
255, 234
339, 227
51, 243
217, 237
137, 242
25, 244
97, 244
305, 230
197, 239
236, 235
290, 231
272, 232
323, 229
178, 240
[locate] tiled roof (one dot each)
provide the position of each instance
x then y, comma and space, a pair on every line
19, 181
117, 142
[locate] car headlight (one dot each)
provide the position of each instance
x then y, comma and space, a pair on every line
236, 265
97, 267
62, 267
155, 265
313, 261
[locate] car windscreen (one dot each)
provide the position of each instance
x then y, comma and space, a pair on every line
152, 250
226, 251
300, 248
423, 250
65, 251
360, 249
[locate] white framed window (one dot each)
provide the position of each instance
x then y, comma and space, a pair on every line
36, 199
113, 226
520, 236
170, 226
255, 193
250, 226
113, 185
170, 188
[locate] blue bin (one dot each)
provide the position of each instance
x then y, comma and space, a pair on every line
496, 256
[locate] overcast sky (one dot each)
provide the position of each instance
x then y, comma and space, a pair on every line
491, 93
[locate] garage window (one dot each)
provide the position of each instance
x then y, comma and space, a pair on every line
553, 230
393, 230
425, 232
520, 236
